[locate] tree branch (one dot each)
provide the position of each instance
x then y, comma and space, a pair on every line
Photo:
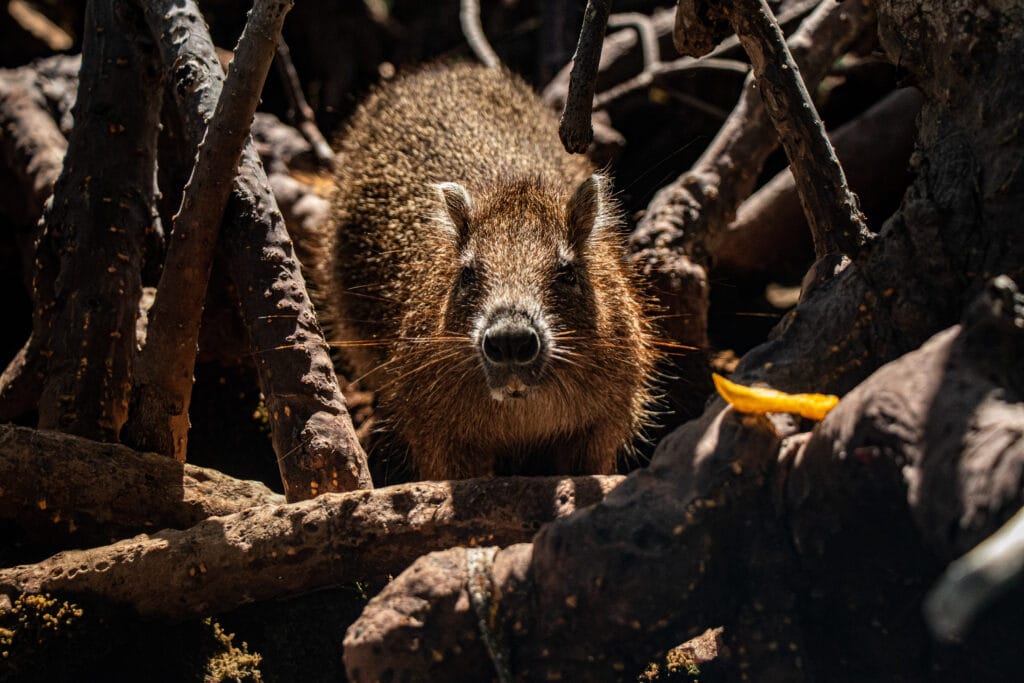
163, 384
274, 551
33, 149
836, 223
574, 127
853, 509
701, 202
469, 17
670, 239
769, 236
103, 205
31, 146
61, 490
299, 111
313, 437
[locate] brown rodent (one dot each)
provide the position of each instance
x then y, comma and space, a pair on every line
482, 268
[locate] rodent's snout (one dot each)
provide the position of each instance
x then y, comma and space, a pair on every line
514, 349
510, 342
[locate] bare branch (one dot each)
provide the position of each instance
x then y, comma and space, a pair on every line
299, 111
163, 386
973, 582
33, 148
574, 127
39, 26
649, 76
618, 54
313, 437
667, 553
645, 33
67, 491
670, 239
702, 201
836, 223
32, 145
280, 550
769, 234
469, 16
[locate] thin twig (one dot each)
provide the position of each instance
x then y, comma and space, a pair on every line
644, 31
647, 77
620, 47
299, 112
469, 17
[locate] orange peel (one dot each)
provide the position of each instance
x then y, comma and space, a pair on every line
758, 401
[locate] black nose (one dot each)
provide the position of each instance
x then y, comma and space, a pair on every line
511, 343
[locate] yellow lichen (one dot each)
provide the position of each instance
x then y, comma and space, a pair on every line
231, 663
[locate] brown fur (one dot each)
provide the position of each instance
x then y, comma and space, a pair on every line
392, 270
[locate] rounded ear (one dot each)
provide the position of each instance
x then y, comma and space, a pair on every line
457, 204
584, 209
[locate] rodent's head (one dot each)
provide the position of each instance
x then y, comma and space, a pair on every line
522, 283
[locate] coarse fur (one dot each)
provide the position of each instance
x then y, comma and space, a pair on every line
456, 206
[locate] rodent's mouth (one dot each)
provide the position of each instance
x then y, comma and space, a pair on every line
514, 388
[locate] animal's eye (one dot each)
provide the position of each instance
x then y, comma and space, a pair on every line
566, 274
467, 277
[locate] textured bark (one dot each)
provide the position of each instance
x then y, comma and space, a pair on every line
313, 437
959, 222
615, 558
275, 551
64, 491
163, 383
574, 127
32, 149
924, 461
93, 234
